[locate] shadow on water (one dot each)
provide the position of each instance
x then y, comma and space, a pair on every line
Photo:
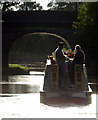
19, 88
58, 102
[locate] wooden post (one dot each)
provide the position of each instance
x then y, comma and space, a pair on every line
79, 77
54, 77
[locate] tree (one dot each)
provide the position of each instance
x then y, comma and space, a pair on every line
85, 25
29, 6
20, 6
66, 6
86, 16
8, 6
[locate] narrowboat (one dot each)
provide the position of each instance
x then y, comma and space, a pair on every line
80, 92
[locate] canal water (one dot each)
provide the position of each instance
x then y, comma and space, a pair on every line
21, 99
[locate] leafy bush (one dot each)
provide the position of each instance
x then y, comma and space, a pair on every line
15, 69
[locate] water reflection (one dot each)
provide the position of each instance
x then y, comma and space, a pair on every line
20, 84
19, 88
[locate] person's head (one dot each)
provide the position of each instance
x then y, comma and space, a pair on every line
77, 47
51, 58
61, 44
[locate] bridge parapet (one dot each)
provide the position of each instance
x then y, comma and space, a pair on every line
46, 18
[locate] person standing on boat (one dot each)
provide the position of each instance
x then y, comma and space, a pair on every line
60, 60
79, 58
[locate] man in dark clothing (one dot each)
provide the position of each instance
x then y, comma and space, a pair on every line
79, 57
60, 59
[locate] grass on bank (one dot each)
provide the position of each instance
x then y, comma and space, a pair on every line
15, 69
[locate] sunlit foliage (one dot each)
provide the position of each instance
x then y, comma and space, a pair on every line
66, 6
20, 6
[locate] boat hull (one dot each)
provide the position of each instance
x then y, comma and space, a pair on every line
62, 96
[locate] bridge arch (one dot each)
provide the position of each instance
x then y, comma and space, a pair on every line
60, 38
53, 34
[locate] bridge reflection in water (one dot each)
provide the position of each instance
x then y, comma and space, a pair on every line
21, 98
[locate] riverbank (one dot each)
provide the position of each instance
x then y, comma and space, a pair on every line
15, 69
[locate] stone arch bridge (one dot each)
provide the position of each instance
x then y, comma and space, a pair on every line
18, 23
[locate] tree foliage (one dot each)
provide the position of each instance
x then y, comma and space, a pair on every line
86, 16
20, 6
8, 6
66, 6
85, 26
29, 6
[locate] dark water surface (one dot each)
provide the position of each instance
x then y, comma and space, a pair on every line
21, 99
